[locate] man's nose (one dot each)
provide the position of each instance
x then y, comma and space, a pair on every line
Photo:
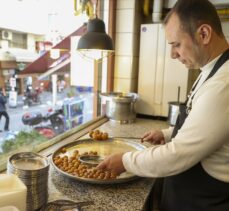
174, 54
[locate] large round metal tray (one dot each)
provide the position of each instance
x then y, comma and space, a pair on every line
104, 148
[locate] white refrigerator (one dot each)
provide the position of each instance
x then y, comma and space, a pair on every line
159, 75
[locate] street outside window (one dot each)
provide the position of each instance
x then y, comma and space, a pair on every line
45, 104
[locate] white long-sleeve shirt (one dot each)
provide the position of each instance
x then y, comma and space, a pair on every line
204, 136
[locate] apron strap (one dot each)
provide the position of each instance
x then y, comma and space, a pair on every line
183, 108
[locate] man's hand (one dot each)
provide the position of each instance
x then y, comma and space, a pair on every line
154, 137
113, 163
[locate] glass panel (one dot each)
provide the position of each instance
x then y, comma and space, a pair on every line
48, 93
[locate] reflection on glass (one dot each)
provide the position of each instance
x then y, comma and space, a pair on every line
36, 120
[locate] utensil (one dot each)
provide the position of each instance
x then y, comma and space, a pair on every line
92, 160
62, 205
120, 107
174, 109
126, 137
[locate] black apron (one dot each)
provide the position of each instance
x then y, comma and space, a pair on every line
194, 189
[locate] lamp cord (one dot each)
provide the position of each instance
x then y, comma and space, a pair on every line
94, 2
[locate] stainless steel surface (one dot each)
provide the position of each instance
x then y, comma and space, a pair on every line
126, 137
173, 112
103, 148
120, 107
32, 169
92, 160
28, 161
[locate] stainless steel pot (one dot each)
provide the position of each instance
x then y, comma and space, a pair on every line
173, 112
120, 106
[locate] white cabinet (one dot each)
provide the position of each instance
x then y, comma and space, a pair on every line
175, 75
159, 75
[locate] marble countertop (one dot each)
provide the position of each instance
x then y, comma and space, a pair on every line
130, 196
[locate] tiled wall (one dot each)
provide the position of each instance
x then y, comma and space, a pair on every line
127, 45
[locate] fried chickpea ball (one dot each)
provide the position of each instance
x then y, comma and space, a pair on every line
105, 136
75, 153
65, 157
71, 159
76, 171
90, 176
91, 153
93, 171
101, 176
63, 150
73, 166
76, 165
94, 136
96, 131
70, 170
95, 153
99, 136
107, 175
113, 175
85, 153
91, 133
80, 167
65, 168
57, 161
56, 158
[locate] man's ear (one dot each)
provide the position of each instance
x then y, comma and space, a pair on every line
204, 33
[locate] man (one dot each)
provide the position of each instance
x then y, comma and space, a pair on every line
61, 85
3, 112
195, 161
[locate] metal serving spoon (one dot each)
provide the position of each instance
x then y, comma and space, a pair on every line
126, 137
65, 205
92, 160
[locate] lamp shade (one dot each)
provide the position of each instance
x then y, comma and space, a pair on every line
95, 38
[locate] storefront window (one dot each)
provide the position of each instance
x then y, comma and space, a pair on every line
44, 105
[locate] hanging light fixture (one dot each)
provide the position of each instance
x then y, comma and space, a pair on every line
95, 43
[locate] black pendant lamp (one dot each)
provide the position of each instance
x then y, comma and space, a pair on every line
95, 38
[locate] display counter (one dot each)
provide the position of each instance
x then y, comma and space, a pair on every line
131, 195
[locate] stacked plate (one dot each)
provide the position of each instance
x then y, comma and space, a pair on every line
33, 170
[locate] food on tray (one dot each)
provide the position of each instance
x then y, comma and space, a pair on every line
72, 165
90, 153
101, 149
63, 150
98, 135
